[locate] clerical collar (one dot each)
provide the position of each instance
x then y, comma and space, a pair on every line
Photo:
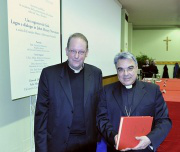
76, 71
130, 86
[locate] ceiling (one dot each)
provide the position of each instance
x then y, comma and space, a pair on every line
152, 13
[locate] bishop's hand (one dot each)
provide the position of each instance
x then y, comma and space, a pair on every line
143, 144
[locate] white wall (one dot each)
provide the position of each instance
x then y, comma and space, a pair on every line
130, 36
124, 31
14, 115
150, 42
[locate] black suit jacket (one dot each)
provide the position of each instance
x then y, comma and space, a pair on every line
54, 107
148, 101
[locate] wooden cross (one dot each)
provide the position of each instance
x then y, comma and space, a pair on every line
167, 40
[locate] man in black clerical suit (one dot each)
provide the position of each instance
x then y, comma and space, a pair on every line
65, 116
145, 70
153, 69
131, 97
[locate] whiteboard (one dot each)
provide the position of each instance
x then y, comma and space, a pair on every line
100, 22
34, 42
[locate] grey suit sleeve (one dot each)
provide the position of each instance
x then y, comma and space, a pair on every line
41, 114
162, 123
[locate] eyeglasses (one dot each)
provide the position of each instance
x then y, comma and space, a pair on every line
74, 52
129, 69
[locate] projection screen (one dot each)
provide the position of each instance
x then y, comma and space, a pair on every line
100, 22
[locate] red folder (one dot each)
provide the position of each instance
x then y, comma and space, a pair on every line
131, 127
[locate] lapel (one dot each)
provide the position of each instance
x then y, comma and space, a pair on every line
65, 83
138, 94
88, 82
117, 93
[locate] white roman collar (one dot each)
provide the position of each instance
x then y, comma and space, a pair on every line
76, 71
129, 86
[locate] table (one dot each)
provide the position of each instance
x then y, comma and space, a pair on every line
169, 84
172, 98
172, 141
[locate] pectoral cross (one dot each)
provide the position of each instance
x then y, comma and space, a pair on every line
167, 40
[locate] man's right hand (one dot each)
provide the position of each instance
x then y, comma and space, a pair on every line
115, 139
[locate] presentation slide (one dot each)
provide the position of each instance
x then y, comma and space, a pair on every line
100, 22
34, 42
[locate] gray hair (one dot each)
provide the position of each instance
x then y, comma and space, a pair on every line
124, 55
77, 35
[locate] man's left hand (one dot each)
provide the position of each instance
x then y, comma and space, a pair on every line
144, 142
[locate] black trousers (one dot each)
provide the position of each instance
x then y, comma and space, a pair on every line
78, 143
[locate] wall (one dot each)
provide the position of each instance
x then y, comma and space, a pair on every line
130, 36
124, 31
150, 42
110, 79
14, 115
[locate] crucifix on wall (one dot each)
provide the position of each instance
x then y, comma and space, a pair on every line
167, 40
